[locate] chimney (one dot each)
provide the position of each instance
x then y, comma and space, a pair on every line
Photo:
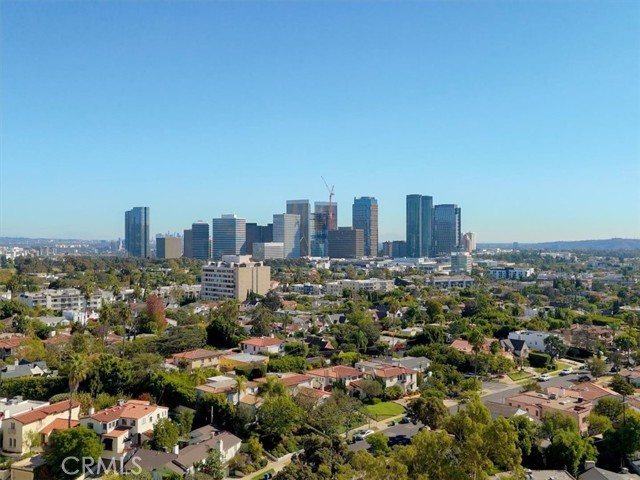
121, 402
589, 464
7, 414
176, 449
92, 410
220, 447
16, 362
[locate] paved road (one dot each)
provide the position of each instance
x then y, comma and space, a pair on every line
497, 392
397, 433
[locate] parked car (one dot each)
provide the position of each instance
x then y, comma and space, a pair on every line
405, 420
544, 377
362, 434
566, 371
584, 378
614, 369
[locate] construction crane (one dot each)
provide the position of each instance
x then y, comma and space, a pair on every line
330, 224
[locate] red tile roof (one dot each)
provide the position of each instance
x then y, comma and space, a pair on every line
43, 412
339, 371
262, 342
290, 380
197, 354
392, 371
59, 424
135, 409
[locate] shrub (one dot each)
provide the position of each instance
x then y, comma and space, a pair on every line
539, 360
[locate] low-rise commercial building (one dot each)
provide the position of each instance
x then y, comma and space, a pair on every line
511, 273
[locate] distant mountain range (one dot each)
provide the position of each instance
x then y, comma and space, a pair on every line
611, 244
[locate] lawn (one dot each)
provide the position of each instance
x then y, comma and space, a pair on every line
384, 410
519, 375
261, 476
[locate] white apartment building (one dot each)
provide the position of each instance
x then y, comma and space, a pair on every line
511, 273
461, 262
65, 299
234, 277
370, 285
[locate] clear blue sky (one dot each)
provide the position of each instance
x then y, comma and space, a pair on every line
525, 113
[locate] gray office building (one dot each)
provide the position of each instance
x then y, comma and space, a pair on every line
302, 208
365, 217
419, 226
257, 234
447, 231
286, 230
346, 242
200, 240
324, 219
187, 243
136, 232
229, 235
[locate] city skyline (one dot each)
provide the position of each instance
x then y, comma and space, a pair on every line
525, 114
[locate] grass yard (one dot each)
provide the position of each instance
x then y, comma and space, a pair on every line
261, 476
384, 410
515, 376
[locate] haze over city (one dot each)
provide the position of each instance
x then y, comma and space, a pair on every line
525, 114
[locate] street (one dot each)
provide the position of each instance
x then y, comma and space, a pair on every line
397, 434
497, 392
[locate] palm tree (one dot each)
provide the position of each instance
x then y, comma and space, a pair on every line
273, 387
476, 339
241, 385
78, 370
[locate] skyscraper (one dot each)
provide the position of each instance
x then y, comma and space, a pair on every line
321, 226
187, 243
346, 242
168, 247
257, 234
286, 230
229, 235
200, 242
136, 232
419, 225
302, 208
447, 236
365, 218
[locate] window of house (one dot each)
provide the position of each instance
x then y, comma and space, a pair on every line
90, 425
104, 427
108, 444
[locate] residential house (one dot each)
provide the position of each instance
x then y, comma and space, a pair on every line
591, 472
198, 358
17, 430
124, 426
538, 405
517, 348
632, 376
322, 344
533, 339
585, 336
415, 363
9, 346
227, 386
10, 407
506, 411
292, 381
262, 345
325, 378
24, 368
390, 375
463, 346
242, 360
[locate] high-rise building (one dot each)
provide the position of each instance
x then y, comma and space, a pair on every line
321, 222
268, 250
168, 247
286, 230
447, 236
136, 232
365, 217
419, 225
229, 236
346, 242
461, 262
187, 243
303, 209
234, 277
469, 242
200, 241
257, 233
399, 249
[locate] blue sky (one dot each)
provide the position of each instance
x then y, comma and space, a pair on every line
526, 114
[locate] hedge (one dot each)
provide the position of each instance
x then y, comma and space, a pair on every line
539, 360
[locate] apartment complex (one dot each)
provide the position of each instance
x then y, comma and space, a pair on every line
66, 299
365, 218
234, 277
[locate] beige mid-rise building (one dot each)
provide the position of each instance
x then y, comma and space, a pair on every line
234, 277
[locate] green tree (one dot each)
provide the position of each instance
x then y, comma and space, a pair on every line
77, 370
371, 388
624, 440
224, 329
165, 434
556, 422
476, 339
626, 343
109, 374
596, 366
431, 411
621, 386
278, 415
598, 424
213, 465
185, 420
273, 387
71, 445
610, 408
379, 443
554, 347
569, 450
526, 432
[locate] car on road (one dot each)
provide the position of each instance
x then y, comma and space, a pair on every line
544, 377
362, 434
584, 378
399, 440
566, 371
